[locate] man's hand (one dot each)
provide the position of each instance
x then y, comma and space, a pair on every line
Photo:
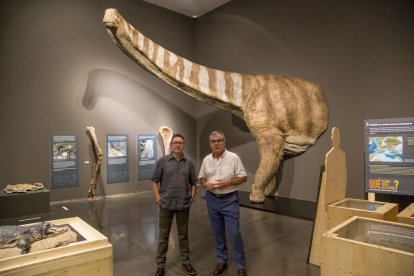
217, 185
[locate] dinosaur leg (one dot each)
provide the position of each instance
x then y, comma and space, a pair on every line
271, 150
271, 188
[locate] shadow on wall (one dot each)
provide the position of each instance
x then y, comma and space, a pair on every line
107, 83
150, 109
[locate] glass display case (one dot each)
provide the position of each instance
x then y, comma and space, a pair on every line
365, 246
89, 254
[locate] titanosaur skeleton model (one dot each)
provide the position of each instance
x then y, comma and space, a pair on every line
286, 115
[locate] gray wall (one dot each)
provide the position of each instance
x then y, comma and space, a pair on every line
361, 52
60, 72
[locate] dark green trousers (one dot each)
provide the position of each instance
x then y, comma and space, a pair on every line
165, 221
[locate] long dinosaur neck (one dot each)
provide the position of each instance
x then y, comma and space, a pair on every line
218, 88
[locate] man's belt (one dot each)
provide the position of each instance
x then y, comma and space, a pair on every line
222, 195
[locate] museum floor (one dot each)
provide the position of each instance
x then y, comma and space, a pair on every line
274, 244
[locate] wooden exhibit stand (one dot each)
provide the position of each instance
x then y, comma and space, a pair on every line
407, 215
333, 188
24, 204
365, 246
344, 209
92, 256
333, 208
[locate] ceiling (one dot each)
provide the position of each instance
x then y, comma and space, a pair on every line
191, 8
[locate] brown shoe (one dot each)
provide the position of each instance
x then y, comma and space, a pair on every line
242, 272
189, 269
220, 267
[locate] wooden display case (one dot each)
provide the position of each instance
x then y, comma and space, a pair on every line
91, 256
365, 246
344, 209
407, 215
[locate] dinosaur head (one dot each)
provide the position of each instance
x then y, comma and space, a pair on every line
111, 18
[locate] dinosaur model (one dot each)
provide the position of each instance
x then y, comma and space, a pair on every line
285, 115
23, 236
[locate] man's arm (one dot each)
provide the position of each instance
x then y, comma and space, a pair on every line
156, 191
193, 191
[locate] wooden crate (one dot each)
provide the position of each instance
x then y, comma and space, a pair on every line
407, 215
344, 209
92, 256
365, 246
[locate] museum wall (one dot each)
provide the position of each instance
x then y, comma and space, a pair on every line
361, 52
61, 72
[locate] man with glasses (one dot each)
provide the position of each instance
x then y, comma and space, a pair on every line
175, 193
220, 173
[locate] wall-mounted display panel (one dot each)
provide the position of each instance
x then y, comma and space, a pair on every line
117, 161
146, 155
389, 156
65, 161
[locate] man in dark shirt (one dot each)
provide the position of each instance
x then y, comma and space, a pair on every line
174, 195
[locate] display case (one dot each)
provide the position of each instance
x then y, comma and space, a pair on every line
365, 246
407, 215
344, 209
92, 255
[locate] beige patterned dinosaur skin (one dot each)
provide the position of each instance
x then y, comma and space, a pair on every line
286, 115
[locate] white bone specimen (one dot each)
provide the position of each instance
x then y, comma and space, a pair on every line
98, 156
166, 134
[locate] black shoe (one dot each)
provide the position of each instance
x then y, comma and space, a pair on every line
242, 272
189, 269
220, 267
160, 272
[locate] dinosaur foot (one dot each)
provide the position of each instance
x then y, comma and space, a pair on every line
257, 196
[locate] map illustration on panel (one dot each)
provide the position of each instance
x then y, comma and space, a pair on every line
386, 149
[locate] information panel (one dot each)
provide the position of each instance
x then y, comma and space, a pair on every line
117, 162
64, 171
146, 155
389, 156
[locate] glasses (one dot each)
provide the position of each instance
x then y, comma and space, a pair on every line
216, 141
177, 143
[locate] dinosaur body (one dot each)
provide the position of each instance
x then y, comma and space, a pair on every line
23, 236
286, 115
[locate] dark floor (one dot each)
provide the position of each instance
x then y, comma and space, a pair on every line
274, 244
